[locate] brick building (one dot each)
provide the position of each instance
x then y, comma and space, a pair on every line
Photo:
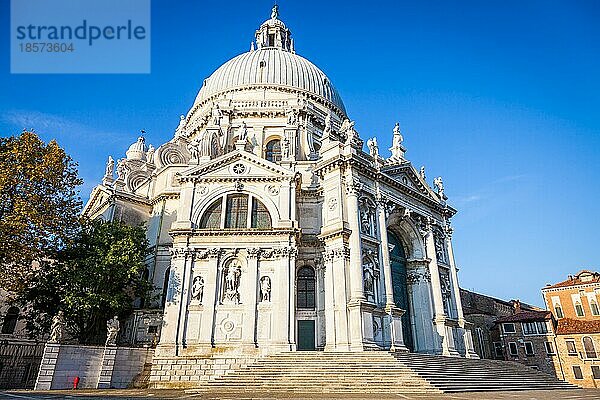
482, 311
527, 337
574, 305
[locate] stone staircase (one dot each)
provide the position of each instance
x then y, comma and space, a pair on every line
453, 374
379, 372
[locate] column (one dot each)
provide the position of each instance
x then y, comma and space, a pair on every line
169, 333
330, 332
209, 301
436, 291
385, 253
184, 300
356, 276
467, 335
292, 295
418, 280
252, 294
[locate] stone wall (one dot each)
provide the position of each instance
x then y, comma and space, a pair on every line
96, 366
179, 372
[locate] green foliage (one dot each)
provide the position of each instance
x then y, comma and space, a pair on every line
98, 275
39, 205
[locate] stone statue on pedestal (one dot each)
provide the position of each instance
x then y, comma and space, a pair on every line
112, 330
110, 167
265, 288
57, 328
373, 147
198, 288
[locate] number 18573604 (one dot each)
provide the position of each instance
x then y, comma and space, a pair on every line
41, 47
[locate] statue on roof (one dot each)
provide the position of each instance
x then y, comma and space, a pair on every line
110, 167
275, 12
373, 147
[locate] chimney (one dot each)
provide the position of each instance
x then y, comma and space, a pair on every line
517, 306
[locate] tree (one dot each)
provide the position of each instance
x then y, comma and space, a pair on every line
97, 276
39, 205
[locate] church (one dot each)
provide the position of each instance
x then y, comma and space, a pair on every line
275, 228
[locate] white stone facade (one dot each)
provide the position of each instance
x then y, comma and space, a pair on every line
272, 230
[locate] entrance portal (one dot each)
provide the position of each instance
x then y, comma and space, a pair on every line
306, 335
398, 264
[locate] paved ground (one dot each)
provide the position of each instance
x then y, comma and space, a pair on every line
587, 394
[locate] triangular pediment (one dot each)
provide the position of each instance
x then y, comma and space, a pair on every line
406, 174
237, 165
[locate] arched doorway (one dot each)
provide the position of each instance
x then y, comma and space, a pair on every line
398, 264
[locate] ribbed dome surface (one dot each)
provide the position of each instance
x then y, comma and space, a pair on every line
271, 66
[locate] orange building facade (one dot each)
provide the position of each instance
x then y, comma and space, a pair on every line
574, 304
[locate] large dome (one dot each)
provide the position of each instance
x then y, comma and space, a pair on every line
270, 66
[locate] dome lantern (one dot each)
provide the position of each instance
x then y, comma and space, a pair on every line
273, 33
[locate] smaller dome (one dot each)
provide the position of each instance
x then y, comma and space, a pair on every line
137, 151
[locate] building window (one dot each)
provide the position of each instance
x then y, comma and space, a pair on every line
513, 350
529, 349
579, 309
588, 347
273, 152
571, 349
577, 372
541, 326
594, 307
549, 347
558, 311
212, 216
596, 371
498, 350
529, 328
236, 213
508, 328
10, 321
305, 293
261, 219
153, 329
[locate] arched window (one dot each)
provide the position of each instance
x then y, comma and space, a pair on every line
273, 152
241, 211
588, 346
212, 217
558, 311
10, 321
305, 292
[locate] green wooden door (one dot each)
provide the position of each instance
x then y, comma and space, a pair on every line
306, 335
398, 264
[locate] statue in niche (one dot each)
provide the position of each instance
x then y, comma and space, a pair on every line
121, 170
112, 330
265, 288
232, 283
369, 283
57, 328
373, 147
365, 222
110, 167
198, 288
193, 148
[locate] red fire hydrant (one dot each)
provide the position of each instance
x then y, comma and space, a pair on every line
75, 382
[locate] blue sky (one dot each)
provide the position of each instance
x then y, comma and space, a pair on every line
501, 98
